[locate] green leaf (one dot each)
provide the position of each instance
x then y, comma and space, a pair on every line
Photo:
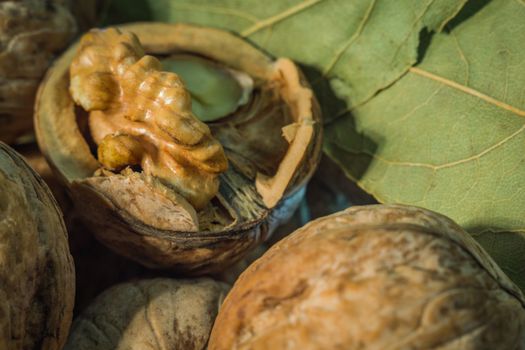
450, 134
360, 46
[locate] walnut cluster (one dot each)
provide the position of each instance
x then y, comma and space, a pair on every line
141, 116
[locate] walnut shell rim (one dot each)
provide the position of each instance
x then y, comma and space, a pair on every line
68, 153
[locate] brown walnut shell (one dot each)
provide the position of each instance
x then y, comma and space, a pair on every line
32, 32
251, 217
36, 270
150, 314
373, 277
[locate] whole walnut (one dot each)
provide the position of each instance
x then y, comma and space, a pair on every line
151, 314
31, 33
36, 270
373, 277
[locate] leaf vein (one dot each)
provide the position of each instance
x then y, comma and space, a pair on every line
432, 179
267, 22
494, 233
463, 58
350, 108
352, 39
468, 90
215, 9
445, 165
414, 24
419, 106
466, 194
507, 71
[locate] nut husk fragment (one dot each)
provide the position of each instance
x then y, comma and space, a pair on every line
150, 314
272, 144
374, 277
36, 270
32, 32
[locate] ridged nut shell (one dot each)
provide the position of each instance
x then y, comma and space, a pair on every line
373, 277
32, 32
36, 269
152, 314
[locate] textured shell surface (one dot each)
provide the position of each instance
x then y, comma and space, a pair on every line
375, 277
150, 314
36, 268
32, 32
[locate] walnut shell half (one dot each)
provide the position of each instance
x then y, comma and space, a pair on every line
152, 314
37, 282
272, 142
374, 277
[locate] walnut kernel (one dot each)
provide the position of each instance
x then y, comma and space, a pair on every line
142, 116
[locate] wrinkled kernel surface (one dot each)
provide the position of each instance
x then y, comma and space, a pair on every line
142, 116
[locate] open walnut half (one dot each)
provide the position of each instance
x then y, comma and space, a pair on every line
167, 180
